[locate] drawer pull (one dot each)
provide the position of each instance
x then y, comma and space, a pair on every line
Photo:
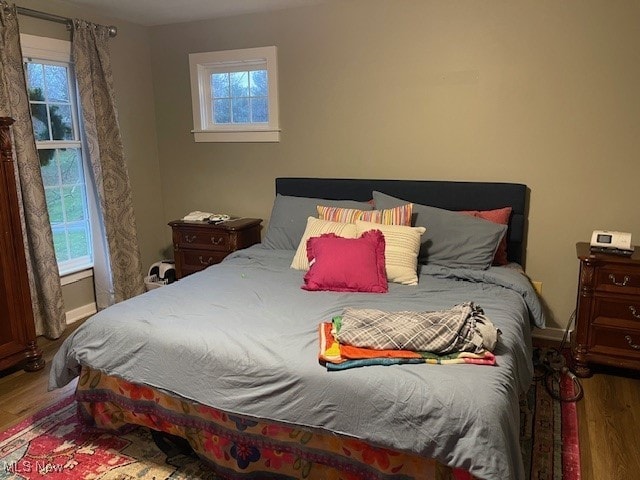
190, 238
205, 262
623, 283
217, 240
635, 346
633, 311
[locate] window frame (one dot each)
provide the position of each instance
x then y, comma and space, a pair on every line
55, 51
202, 65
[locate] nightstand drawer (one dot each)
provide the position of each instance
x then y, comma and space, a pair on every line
213, 239
616, 341
618, 307
194, 260
618, 279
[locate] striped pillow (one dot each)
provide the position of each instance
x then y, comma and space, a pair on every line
392, 216
315, 228
402, 245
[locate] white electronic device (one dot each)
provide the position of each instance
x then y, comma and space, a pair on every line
611, 242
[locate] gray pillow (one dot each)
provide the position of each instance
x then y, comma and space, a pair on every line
289, 218
452, 239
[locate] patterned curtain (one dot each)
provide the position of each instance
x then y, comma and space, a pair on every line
44, 278
124, 279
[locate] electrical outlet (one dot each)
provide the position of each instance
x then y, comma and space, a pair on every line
537, 286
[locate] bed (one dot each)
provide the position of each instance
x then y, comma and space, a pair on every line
228, 357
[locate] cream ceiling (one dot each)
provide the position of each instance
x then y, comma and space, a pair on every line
162, 12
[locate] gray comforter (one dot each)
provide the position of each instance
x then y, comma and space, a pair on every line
242, 336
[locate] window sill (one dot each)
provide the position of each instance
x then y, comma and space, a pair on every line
73, 277
265, 136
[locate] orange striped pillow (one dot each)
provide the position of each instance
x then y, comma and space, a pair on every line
392, 216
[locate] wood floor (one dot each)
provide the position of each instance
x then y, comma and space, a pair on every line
609, 419
609, 414
24, 393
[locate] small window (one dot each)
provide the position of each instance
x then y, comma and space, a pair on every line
235, 95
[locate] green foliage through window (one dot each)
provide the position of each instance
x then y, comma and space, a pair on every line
49, 98
61, 164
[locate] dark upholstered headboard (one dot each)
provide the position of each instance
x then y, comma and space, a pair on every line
441, 194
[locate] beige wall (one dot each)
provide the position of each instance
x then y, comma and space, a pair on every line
134, 97
539, 92
78, 295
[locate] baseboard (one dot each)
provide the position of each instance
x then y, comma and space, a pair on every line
81, 312
554, 334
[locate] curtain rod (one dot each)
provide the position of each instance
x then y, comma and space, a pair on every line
113, 30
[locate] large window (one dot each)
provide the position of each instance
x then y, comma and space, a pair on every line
52, 98
235, 95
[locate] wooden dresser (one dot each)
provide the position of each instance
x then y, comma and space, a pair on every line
196, 245
17, 330
608, 311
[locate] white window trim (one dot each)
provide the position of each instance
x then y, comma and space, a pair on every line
45, 48
200, 65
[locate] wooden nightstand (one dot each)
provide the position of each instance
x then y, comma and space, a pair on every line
608, 310
196, 245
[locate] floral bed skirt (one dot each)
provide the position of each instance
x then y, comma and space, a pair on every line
245, 448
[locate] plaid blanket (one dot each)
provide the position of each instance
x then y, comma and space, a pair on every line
462, 328
336, 356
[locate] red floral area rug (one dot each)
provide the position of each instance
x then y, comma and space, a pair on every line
54, 444
549, 430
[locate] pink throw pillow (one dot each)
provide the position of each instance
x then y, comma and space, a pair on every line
501, 216
347, 264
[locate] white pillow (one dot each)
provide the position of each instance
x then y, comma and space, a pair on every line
315, 228
402, 245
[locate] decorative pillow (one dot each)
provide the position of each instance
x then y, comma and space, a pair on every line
401, 250
346, 264
501, 216
393, 216
289, 219
452, 240
315, 228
